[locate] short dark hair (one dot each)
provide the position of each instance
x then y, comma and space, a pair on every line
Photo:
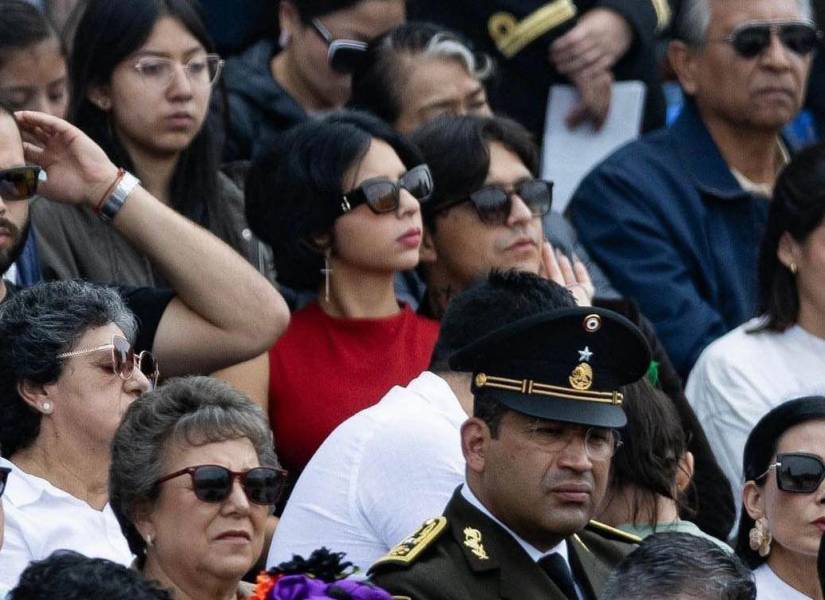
293, 192
760, 448
72, 576
36, 325
378, 84
798, 207
310, 9
680, 566
458, 154
108, 32
653, 444
504, 297
21, 26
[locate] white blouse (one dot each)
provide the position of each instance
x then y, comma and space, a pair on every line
770, 587
41, 518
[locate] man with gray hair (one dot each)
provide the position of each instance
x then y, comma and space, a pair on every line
675, 218
680, 566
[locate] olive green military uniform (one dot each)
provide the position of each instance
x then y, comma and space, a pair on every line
466, 555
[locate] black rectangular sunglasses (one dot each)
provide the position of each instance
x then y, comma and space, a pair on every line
19, 183
213, 483
383, 195
797, 472
750, 39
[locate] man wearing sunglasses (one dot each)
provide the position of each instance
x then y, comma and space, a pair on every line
221, 310
676, 218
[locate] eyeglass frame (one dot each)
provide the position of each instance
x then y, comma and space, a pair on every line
774, 27
37, 174
532, 429
219, 64
334, 46
136, 360
778, 464
508, 193
239, 476
4, 478
357, 196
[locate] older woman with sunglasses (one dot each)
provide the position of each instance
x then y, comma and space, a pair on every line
192, 481
338, 200
67, 374
783, 515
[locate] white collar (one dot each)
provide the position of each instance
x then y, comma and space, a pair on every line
534, 553
23, 488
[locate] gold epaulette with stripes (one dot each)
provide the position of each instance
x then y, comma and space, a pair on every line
413, 545
511, 35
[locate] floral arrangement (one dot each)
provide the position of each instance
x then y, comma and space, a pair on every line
320, 576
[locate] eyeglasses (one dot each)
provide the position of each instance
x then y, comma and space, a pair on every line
797, 472
599, 443
213, 483
124, 359
344, 55
750, 39
4, 476
383, 195
494, 203
159, 72
19, 183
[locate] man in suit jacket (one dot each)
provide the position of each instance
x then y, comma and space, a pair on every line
537, 452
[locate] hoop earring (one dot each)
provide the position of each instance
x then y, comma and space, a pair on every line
326, 272
760, 538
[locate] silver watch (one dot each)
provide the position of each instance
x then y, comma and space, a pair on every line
118, 197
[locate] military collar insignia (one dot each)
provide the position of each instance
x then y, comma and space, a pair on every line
472, 539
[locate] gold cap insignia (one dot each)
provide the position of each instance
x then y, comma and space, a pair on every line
472, 539
582, 377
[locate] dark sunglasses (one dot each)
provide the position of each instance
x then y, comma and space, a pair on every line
213, 483
383, 195
344, 55
19, 183
4, 475
124, 359
493, 203
797, 472
750, 39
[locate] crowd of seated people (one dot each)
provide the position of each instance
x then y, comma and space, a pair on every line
301, 321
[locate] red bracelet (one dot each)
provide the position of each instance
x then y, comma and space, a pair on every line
120, 173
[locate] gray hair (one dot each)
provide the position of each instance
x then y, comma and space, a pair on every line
190, 410
36, 325
375, 86
680, 566
692, 22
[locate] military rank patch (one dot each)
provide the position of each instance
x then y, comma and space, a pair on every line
406, 552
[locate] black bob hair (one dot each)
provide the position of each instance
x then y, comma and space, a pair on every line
760, 449
293, 191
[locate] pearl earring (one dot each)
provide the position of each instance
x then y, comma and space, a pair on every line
47, 407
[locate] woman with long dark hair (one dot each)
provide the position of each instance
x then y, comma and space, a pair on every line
141, 74
781, 354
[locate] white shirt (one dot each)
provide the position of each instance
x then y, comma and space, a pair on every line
770, 587
377, 477
741, 376
532, 551
41, 518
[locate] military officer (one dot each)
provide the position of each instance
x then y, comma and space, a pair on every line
537, 452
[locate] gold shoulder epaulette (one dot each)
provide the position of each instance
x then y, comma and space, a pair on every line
613, 533
407, 551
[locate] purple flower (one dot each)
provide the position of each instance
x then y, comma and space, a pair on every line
358, 590
301, 587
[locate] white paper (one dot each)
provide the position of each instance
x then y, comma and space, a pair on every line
570, 154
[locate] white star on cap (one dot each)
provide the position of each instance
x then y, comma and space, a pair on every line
585, 355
